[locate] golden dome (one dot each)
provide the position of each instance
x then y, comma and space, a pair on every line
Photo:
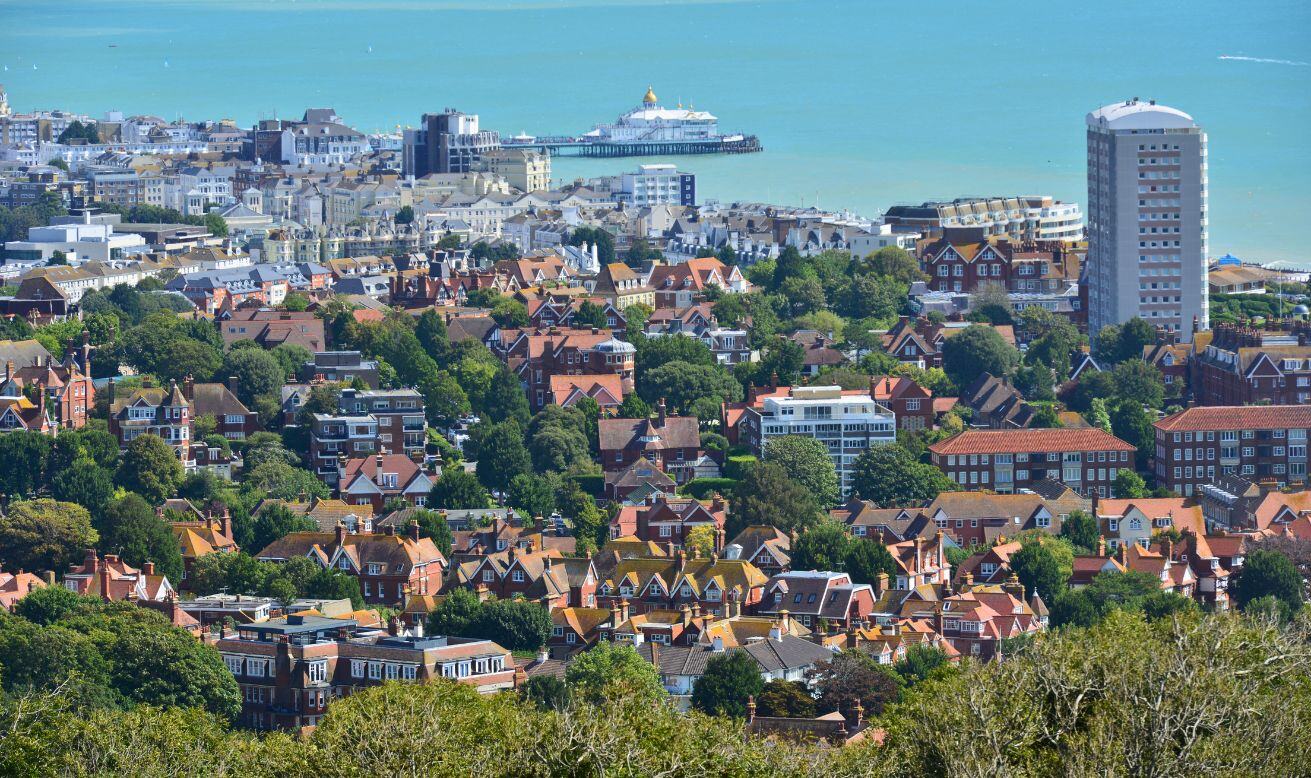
650, 96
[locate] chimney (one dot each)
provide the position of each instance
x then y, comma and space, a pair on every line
751, 708
389, 530
546, 563
86, 352
189, 387
377, 461
696, 610
880, 584
49, 577
685, 615
340, 534
232, 384
623, 610
660, 412
393, 626
148, 568
414, 531
1101, 545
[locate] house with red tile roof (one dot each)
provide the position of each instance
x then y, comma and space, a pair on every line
976, 622
1136, 521
200, 538
684, 284
1006, 461
388, 564
16, 586
383, 478
669, 521
112, 579
606, 389
545, 576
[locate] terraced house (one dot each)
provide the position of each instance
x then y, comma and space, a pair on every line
389, 565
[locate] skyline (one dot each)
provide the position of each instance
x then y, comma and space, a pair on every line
822, 113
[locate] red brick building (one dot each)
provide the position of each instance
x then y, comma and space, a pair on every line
387, 564
290, 669
964, 260
537, 355
382, 478
670, 521
1005, 461
1243, 365
818, 597
672, 442
546, 576
1198, 445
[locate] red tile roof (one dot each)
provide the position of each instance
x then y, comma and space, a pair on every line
1237, 417
1030, 440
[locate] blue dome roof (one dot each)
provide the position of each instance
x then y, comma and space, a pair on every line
1229, 259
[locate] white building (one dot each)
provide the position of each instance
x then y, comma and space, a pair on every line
84, 241
652, 122
1147, 224
846, 422
194, 189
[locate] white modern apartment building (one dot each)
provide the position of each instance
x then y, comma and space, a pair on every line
83, 241
1147, 239
847, 422
656, 184
1023, 218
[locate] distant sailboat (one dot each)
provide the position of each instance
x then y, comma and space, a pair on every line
370, 49
166, 63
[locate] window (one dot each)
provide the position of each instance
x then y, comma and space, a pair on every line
316, 672
357, 668
489, 576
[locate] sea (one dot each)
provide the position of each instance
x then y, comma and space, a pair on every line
859, 104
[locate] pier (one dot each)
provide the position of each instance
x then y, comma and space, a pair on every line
587, 147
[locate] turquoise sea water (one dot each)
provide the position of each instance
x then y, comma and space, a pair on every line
859, 103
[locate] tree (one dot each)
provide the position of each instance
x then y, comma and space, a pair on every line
150, 468
502, 456
27, 462
634, 407
684, 386
129, 527
85, 483
921, 663
991, 305
532, 494
1133, 335
1044, 566
49, 604
809, 462
258, 372
167, 667
217, 225
517, 624
506, 400
275, 522
1055, 348
728, 681
785, 699
589, 314
458, 489
455, 613
612, 671
866, 558
822, 546
1129, 485
44, 535
769, 496
444, 399
1081, 530
895, 263
976, 350
546, 692
852, 677
1097, 415
1138, 382
1268, 573
1109, 591
433, 525
559, 449
1130, 423
700, 541
280, 481
404, 215
657, 352
888, 476
509, 313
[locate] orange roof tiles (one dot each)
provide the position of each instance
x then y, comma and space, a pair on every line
1244, 417
1029, 440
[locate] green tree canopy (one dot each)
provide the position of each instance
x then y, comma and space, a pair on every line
887, 475
807, 459
729, 680
769, 496
129, 527
458, 489
977, 350
44, 535
151, 468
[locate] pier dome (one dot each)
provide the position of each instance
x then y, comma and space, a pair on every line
650, 97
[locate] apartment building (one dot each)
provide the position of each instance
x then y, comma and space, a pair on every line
1147, 217
1006, 461
340, 366
290, 669
847, 423
337, 438
966, 260
1197, 446
402, 426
